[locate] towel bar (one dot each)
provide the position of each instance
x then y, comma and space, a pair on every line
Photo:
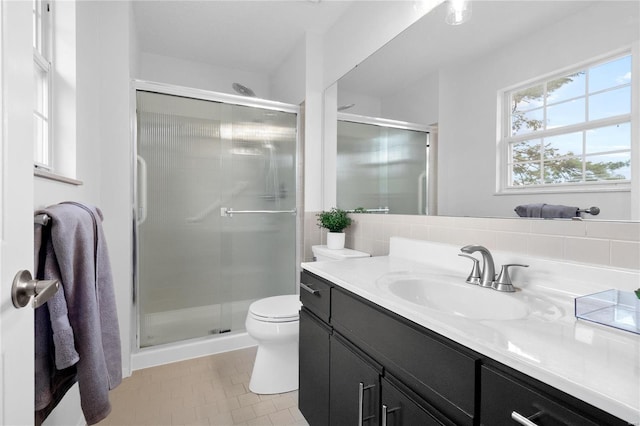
41, 219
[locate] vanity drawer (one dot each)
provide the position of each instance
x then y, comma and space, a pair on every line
504, 394
315, 295
441, 372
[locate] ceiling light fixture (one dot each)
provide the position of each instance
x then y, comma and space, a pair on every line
458, 12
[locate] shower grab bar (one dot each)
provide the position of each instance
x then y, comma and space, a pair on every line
142, 196
224, 211
375, 210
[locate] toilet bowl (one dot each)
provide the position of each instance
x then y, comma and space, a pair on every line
274, 323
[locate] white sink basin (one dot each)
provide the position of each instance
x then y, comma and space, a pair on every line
449, 294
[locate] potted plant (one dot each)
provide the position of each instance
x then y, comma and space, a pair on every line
334, 220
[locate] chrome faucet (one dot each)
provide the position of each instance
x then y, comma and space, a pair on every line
488, 275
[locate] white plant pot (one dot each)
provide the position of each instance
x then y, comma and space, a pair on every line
335, 240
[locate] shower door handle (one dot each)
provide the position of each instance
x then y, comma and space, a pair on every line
142, 195
224, 211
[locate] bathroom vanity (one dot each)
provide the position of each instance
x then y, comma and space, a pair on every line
371, 354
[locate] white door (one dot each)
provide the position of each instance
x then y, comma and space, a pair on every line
16, 210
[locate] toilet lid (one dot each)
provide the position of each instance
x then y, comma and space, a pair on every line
276, 308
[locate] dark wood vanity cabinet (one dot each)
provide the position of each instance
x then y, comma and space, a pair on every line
439, 371
361, 364
356, 359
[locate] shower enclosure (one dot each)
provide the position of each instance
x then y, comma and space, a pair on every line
216, 183
383, 166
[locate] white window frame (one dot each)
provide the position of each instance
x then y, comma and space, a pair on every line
505, 138
43, 63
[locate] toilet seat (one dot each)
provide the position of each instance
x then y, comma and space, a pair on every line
276, 309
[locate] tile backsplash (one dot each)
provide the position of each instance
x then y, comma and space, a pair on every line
608, 243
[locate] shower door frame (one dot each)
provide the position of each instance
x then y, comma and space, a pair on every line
429, 189
204, 95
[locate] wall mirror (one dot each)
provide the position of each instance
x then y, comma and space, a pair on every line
462, 81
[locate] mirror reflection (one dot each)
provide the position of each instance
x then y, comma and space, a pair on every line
532, 102
381, 166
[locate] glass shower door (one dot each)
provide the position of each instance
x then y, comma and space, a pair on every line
200, 266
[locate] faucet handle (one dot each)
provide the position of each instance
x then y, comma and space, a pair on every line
474, 277
503, 282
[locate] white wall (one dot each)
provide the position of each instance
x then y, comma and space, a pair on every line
287, 83
180, 72
416, 103
468, 113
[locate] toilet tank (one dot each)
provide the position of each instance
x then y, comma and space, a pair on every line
322, 253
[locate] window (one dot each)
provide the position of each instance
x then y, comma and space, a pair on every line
571, 129
42, 81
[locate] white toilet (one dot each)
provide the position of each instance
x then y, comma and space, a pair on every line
274, 323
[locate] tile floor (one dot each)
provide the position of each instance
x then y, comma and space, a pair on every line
212, 390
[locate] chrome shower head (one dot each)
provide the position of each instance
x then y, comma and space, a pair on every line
345, 107
243, 90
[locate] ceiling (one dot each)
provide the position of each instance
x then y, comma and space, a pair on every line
253, 36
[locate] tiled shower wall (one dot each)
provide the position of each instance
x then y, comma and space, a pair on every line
614, 244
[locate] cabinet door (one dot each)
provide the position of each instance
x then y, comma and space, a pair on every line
400, 407
313, 393
355, 386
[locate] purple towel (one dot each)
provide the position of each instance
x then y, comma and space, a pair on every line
80, 259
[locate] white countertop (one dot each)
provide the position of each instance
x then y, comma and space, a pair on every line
597, 364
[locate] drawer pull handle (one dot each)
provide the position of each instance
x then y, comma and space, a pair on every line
522, 420
361, 389
309, 289
385, 412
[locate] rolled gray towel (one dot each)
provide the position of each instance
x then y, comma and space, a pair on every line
559, 211
546, 211
529, 210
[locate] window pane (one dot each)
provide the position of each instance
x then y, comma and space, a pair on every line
570, 86
610, 74
566, 113
563, 171
563, 145
610, 103
526, 151
609, 167
525, 174
526, 122
610, 138
40, 82
526, 99
41, 147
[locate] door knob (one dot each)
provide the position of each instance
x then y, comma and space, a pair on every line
24, 286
